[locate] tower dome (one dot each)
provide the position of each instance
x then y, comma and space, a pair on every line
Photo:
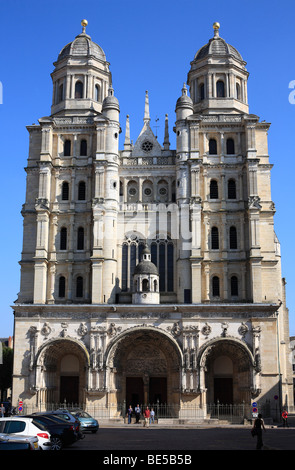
217, 46
81, 78
146, 266
146, 280
218, 78
83, 46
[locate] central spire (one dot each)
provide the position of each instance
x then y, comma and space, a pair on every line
146, 109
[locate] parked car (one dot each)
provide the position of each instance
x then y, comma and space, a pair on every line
18, 442
65, 416
62, 433
26, 426
87, 423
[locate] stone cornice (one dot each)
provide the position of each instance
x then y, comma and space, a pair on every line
210, 309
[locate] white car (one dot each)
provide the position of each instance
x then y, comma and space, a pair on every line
16, 439
26, 427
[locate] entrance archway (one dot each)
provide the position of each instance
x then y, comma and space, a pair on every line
61, 367
228, 365
145, 364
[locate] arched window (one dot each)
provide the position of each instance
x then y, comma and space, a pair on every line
238, 91
162, 255
67, 148
231, 189
63, 238
80, 238
220, 89
79, 90
62, 286
233, 242
83, 148
212, 147
82, 191
145, 285
234, 286
79, 286
65, 191
97, 93
230, 146
215, 286
202, 91
214, 238
155, 285
213, 189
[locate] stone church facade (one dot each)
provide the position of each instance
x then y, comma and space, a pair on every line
150, 274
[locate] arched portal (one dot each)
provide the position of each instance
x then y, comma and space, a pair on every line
61, 366
227, 365
145, 365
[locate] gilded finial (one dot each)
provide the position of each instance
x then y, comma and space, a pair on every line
216, 27
84, 23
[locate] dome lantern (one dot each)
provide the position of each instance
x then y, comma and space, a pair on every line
218, 78
81, 77
146, 280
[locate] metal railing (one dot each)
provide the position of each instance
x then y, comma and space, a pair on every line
232, 413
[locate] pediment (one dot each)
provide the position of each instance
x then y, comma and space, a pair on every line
146, 144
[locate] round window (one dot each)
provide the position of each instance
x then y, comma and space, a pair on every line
147, 146
147, 191
163, 191
132, 191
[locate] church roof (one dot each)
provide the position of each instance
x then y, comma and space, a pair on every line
146, 267
82, 46
147, 144
217, 46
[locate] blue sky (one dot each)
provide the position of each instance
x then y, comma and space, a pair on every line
150, 46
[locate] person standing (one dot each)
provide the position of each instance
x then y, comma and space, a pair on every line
137, 413
257, 427
2, 410
146, 415
285, 418
129, 413
152, 416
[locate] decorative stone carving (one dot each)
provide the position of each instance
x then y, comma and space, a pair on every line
46, 330
82, 330
175, 330
254, 202
206, 330
64, 326
224, 327
113, 329
243, 329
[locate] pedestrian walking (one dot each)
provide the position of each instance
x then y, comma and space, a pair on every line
129, 413
2, 410
146, 415
285, 418
137, 413
257, 431
152, 416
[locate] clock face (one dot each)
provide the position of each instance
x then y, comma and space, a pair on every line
147, 146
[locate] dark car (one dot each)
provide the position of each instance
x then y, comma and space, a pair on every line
66, 416
62, 434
